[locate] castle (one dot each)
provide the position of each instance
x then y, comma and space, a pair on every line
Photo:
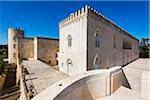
88, 40
42, 48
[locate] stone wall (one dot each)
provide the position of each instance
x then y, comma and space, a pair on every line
82, 26
46, 50
26, 47
145, 84
93, 87
109, 55
77, 53
90, 85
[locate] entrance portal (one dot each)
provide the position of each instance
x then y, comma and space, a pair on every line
69, 67
96, 62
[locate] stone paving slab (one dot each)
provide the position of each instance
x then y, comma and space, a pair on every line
123, 93
41, 75
133, 73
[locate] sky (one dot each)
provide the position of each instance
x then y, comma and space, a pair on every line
41, 18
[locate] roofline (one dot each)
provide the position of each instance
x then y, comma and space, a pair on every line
113, 23
87, 8
40, 37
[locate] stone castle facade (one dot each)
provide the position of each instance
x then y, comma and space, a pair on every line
88, 40
22, 47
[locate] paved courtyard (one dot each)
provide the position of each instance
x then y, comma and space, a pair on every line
133, 73
40, 75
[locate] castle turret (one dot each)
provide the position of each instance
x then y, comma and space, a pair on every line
13, 35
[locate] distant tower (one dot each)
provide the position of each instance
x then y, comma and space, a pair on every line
13, 35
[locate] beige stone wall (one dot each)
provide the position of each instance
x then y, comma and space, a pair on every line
13, 35
93, 87
90, 85
77, 53
47, 50
145, 84
26, 48
109, 56
41, 48
82, 26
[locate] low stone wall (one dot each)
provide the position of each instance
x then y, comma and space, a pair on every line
145, 85
20, 80
88, 86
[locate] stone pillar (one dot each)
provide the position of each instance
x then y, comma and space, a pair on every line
35, 48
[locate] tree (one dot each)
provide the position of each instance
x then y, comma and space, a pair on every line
145, 48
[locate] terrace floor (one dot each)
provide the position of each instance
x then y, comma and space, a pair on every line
133, 73
40, 75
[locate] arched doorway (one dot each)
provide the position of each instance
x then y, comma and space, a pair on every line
69, 67
96, 62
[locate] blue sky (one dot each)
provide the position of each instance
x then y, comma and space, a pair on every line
41, 18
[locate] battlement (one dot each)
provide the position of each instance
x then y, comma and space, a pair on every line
78, 13
94, 12
75, 15
16, 29
89, 10
85, 10
15, 32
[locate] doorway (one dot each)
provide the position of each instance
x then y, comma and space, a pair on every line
69, 67
96, 62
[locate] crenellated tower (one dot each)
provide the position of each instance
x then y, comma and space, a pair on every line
13, 35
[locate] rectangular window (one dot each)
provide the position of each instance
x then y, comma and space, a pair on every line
14, 38
69, 39
114, 45
14, 46
97, 41
69, 43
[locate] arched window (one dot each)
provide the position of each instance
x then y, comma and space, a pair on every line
96, 62
114, 41
69, 38
97, 38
